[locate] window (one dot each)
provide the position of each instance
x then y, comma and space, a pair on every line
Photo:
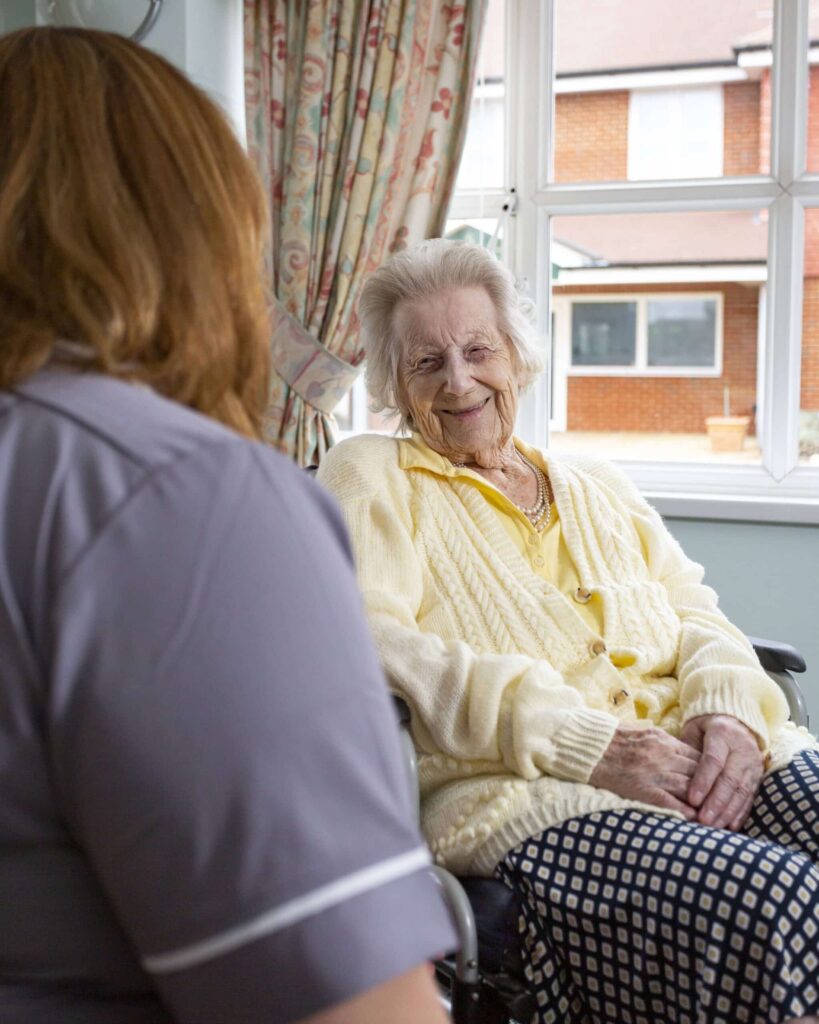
648, 335
664, 230
675, 133
481, 202
681, 333
604, 334
482, 160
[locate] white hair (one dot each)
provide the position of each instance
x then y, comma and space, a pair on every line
423, 270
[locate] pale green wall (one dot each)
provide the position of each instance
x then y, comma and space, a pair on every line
767, 576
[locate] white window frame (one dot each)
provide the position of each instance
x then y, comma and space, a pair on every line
779, 490
640, 368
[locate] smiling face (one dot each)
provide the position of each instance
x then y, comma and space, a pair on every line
456, 375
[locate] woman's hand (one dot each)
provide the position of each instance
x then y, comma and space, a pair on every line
729, 772
646, 763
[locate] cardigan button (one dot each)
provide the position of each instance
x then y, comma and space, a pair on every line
619, 697
582, 595
597, 647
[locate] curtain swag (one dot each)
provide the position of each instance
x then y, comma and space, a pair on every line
307, 367
356, 114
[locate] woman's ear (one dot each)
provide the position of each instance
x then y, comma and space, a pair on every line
399, 396
515, 361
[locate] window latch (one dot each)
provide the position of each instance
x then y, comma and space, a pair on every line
510, 207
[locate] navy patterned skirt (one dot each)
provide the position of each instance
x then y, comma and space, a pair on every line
637, 918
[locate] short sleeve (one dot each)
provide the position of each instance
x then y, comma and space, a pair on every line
225, 750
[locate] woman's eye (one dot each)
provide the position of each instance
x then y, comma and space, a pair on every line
425, 364
478, 352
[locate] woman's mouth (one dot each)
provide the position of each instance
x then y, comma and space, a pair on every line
468, 413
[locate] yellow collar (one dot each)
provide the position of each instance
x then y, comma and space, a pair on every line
415, 453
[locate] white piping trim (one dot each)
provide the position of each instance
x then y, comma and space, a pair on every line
289, 913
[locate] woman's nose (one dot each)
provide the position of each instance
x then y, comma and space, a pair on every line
458, 380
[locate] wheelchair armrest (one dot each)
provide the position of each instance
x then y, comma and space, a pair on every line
777, 657
402, 713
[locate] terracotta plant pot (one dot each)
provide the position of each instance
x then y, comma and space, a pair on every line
727, 433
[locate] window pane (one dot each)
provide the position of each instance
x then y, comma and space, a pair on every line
682, 332
657, 330
122, 18
485, 231
343, 412
604, 333
482, 162
666, 90
809, 387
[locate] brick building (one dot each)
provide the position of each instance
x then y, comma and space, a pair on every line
657, 318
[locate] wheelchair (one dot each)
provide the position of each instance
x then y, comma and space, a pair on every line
484, 982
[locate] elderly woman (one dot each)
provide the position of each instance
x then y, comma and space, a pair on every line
590, 727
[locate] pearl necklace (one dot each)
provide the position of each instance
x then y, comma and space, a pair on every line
539, 514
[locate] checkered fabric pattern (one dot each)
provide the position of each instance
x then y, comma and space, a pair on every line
636, 918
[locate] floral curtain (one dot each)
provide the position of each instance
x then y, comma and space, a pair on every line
356, 117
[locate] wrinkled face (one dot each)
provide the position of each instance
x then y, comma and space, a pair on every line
457, 376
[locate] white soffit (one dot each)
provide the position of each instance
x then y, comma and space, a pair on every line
611, 81
764, 58
742, 273
672, 78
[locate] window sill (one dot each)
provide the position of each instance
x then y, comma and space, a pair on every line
739, 493
793, 511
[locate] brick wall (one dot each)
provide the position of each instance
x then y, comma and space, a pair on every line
741, 102
810, 349
813, 120
765, 123
674, 404
591, 136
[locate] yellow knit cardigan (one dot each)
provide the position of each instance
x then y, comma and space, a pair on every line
512, 693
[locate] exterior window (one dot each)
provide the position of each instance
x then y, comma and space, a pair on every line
604, 333
682, 332
675, 133
648, 335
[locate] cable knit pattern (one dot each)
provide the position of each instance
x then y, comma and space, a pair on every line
511, 709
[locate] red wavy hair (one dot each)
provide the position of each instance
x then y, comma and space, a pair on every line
131, 224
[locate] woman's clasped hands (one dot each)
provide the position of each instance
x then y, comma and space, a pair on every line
710, 775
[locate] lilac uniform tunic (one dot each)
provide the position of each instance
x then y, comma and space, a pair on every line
203, 816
